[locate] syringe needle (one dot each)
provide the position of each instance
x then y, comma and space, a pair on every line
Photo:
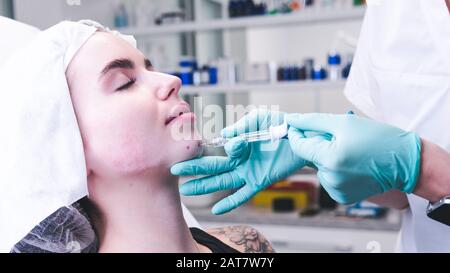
216, 142
273, 133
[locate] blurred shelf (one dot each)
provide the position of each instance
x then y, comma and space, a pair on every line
249, 215
297, 86
302, 17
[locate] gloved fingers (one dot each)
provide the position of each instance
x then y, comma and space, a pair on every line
208, 165
235, 147
248, 123
337, 193
311, 134
326, 123
205, 185
233, 201
313, 149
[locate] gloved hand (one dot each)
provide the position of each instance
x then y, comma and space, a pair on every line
249, 166
361, 159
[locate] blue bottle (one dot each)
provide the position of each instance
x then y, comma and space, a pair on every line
319, 73
212, 75
334, 66
121, 17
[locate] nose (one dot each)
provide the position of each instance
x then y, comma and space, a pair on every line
169, 86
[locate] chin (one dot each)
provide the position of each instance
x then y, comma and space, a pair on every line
186, 150
186, 143
193, 149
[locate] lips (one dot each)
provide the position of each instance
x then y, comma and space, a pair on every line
170, 119
177, 111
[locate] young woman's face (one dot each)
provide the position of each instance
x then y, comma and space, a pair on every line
126, 111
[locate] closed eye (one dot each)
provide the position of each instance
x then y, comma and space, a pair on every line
148, 64
127, 85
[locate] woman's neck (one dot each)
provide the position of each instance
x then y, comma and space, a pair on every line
139, 214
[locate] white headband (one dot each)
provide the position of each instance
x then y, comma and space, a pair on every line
42, 164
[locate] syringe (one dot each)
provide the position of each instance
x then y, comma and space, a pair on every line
273, 133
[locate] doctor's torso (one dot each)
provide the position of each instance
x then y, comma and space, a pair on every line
401, 76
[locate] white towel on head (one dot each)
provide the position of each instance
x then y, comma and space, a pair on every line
14, 36
42, 164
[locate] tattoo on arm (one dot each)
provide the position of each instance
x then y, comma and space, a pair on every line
247, 237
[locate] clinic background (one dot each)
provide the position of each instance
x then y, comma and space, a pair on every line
291, 53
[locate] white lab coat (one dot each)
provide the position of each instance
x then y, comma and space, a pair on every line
401, 76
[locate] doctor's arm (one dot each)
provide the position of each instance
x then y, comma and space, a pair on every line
434, 179
394, 199
365, 158
433, 183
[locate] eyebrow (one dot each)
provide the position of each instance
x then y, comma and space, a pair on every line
123, 64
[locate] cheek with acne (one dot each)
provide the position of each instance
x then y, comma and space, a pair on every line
135, 154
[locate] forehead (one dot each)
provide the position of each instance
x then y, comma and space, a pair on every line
102, 48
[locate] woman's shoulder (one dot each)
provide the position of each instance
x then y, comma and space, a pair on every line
243, 238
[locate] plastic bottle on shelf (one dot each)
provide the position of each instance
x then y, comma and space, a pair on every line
287, 72
296, 5
285, 7
309, 3
249, 7
121, 19
272, 7
302, 74
188, 61
212, 74
188, 65
295, 72
273, 72
186, 76
319, 73
261, 9
359, 2
232, 8
280, 73
239, 8
309, 67
334, 65
196, 77
204, 75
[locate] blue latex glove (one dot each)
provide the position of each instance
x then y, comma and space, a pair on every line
249, 166
361, 159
